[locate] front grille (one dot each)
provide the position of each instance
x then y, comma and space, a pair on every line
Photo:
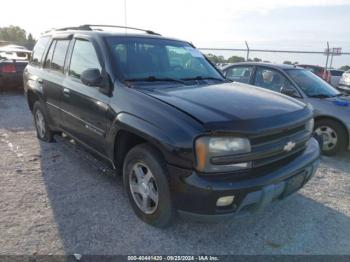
274, 147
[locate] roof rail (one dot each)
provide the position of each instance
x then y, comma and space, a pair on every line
88, 27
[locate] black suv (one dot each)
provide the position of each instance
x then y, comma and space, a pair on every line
185, 139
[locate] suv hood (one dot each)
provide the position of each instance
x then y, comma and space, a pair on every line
230, 106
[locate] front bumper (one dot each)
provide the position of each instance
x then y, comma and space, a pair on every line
195, 195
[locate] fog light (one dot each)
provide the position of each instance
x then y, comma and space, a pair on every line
225, 201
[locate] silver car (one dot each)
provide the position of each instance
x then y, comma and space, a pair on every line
332, 108
344, 82
336, 75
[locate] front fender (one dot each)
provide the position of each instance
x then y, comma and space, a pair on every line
150, 132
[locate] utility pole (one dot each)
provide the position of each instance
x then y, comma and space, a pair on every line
327, 52
246, 43
330, 65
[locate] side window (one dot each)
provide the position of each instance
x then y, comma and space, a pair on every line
59, 55
240, 73
39, 50
83, 57
48, 59
271, 79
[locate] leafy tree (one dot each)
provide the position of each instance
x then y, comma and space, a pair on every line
255, 59
235, 59
345, 68
215, 59
13, 34
287, 62
17, 35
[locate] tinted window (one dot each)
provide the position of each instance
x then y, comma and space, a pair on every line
84, 57
39, 50
139, 58
48, 59
311, 84
59, 55
239, 74
271, 79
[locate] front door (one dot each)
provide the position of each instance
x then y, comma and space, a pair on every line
84, 107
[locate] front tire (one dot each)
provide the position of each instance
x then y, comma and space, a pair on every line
334, 136
43, 130
146, 183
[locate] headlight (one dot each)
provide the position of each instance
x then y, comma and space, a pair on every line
213, 153
310, 125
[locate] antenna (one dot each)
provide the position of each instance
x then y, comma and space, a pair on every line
125, 18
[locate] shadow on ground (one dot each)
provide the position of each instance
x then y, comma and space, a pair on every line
93, 216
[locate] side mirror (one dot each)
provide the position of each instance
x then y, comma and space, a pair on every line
91, 77
289, 91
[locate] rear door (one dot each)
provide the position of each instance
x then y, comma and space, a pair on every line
84, 107
54, 77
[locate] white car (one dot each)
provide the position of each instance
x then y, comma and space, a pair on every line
14, 52
344, 82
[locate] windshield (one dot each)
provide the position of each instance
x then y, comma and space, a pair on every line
150, 59
311, 84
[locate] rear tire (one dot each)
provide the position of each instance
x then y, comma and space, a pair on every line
43, 130
146, 183
334, 136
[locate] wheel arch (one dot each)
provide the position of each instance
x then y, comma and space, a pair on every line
128, 131
32, 97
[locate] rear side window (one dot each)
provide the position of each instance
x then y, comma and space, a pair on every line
59, 55
48, 59
39, 50
336, 73
83, 57
239, 74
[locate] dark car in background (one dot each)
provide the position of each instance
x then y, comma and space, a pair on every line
331, 108
13, 60
185, 139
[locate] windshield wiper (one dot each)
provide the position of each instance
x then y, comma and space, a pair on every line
320, 96
204, 78
155, 79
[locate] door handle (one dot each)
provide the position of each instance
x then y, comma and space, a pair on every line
66, 91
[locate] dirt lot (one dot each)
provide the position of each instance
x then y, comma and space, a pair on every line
55, 200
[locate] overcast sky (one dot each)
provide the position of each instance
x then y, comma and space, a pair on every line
271, 24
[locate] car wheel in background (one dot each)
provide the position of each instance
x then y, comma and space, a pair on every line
333, 134
147, 187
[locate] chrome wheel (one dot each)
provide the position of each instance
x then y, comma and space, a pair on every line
329, 137
40, 123
143, 188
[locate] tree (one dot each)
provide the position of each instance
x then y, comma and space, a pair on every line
287, 62
30, 41
13, 34
345, 68
255, 59
215, 59
235, 59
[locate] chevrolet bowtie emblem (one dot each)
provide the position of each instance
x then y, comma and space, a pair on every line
289, 146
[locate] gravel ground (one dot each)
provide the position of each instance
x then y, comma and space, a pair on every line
54, 200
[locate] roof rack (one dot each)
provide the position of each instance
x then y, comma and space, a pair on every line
88, 27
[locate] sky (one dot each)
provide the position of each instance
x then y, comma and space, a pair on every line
264, 24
